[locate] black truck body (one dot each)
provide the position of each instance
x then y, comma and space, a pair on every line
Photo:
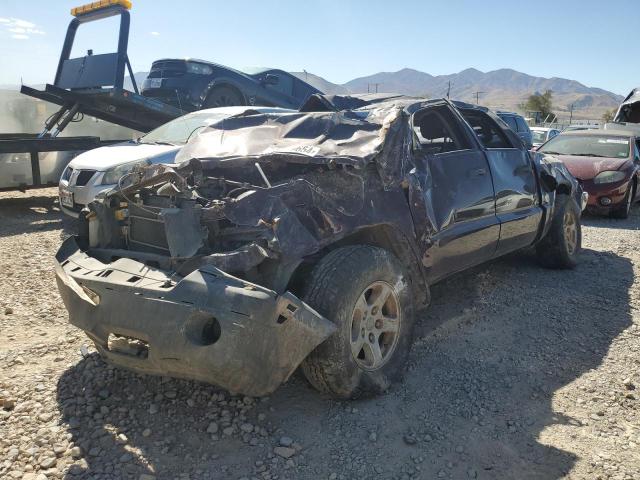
202, 270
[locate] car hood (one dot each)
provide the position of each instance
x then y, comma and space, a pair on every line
585, 168
104, 158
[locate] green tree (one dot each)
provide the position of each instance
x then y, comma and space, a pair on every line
608, 115
540, 102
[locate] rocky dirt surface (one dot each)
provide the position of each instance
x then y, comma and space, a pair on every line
517, 372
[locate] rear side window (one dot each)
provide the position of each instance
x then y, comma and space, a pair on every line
522, 125
438, 131
486, 129
511, 121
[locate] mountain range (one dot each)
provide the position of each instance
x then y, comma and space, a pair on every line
503, 89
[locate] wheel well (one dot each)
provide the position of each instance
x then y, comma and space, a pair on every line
383, 236
227, 85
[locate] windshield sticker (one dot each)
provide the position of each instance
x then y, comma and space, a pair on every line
614, 140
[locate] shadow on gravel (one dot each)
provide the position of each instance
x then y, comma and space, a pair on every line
490, 353
32, 214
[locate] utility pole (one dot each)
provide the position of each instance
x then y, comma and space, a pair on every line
478, 97
370, 85
570, 114
448, 88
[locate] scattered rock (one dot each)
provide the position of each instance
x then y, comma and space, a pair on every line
284, 452
48, 462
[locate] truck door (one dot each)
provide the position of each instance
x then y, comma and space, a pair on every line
457, 194
514, 179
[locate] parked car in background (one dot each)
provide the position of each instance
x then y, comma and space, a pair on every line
98, 170
518, 124
580, 126
191, 84
607, 164
539, 135
308, 238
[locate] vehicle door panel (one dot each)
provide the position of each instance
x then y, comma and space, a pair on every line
461, 198
452, 189
517, 205
514, 180
279, 95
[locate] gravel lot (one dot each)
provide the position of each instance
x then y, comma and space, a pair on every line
517, 372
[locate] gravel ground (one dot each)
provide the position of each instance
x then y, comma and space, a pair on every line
517, 372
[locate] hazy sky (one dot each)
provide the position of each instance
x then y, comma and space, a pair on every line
594, 42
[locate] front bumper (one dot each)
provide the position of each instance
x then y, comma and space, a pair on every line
614, 192
82, 195
208, 326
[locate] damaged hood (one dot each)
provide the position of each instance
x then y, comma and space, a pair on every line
356, 137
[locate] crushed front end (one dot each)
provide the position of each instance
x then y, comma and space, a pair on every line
161, 280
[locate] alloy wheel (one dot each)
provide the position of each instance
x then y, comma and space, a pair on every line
375, 325
570, 232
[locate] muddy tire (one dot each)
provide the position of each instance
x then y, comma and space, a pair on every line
366, 292
223, 96
561, 246
623, 210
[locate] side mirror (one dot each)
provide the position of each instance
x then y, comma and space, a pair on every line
548, 181
271, 79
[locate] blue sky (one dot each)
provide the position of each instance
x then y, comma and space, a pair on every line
591, 41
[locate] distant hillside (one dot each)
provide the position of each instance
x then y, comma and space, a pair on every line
503, 89
321, 84
500, 89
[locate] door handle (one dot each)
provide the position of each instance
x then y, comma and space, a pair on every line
478, 172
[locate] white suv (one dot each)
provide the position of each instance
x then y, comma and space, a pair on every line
98, 170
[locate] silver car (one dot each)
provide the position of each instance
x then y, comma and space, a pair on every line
100, 169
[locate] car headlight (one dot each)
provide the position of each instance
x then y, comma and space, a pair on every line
113, 175
199, 68
609, 176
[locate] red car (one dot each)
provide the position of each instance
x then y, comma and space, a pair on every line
605, 162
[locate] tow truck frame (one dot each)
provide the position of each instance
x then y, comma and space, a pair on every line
91, 85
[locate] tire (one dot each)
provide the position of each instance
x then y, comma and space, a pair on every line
623, 211
348, 286
561, 246
223, 96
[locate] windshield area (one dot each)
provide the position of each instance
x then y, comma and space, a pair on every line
588, 146
538, 136
178, 131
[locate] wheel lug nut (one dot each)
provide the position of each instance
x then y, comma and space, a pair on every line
378, 323
374, 310
371, 337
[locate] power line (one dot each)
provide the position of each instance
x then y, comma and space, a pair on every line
478, 97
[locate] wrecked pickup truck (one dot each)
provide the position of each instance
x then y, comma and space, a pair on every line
307, 238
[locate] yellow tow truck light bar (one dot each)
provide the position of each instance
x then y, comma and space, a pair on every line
93, 6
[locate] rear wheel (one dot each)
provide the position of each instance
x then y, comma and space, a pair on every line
223, 96
561, 246
623, 210
364, 290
